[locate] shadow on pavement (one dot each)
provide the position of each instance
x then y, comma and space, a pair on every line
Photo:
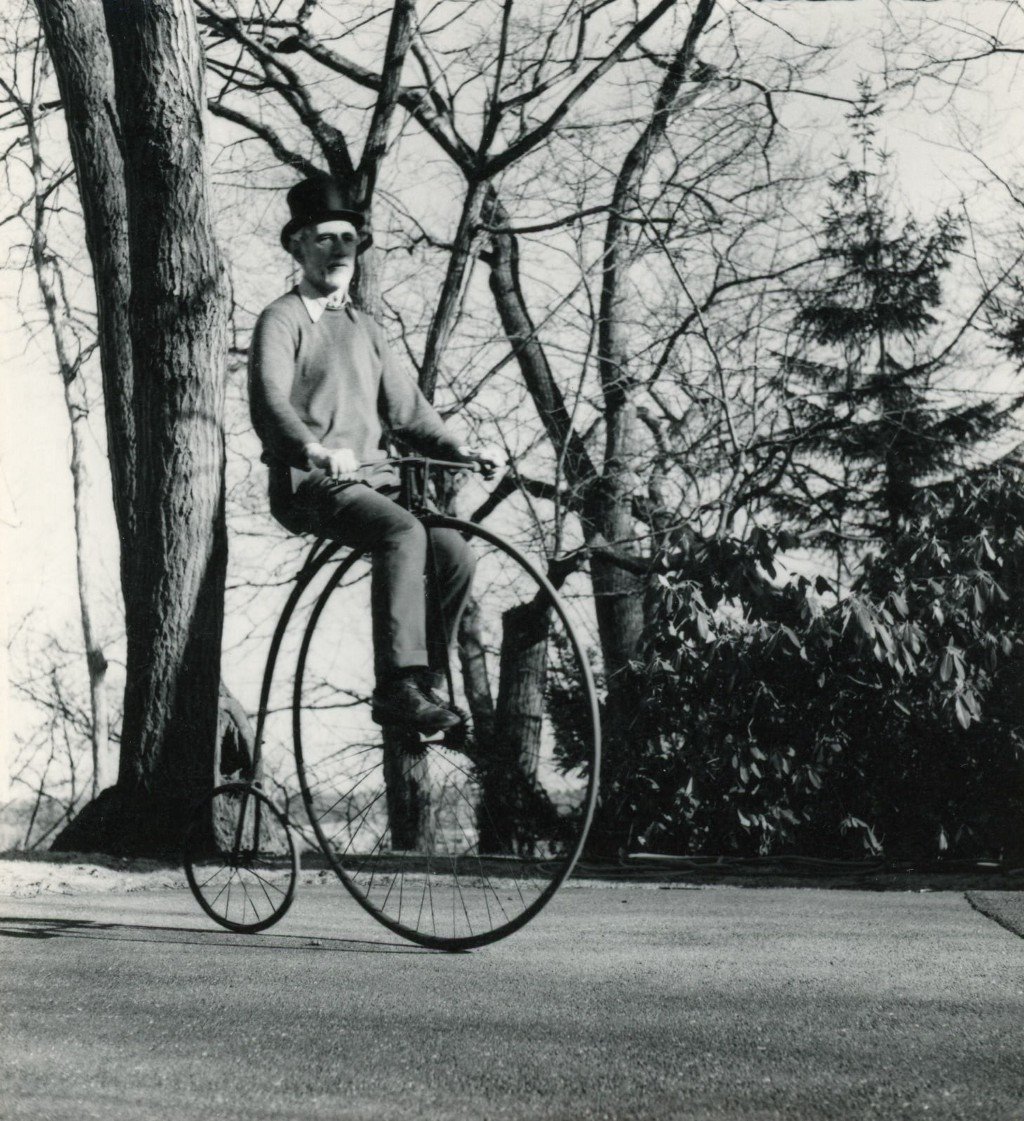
44, 928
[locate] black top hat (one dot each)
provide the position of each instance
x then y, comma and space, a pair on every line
320, 199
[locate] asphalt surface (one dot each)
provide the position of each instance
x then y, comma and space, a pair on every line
617, 1002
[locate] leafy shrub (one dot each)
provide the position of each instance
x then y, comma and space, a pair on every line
779, 718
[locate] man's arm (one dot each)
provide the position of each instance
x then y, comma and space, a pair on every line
271, 374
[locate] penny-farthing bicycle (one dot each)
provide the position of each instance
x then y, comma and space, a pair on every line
452, 840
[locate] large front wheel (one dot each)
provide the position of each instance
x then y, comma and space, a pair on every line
459, 840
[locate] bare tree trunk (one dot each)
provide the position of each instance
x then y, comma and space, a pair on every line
510, 807
450, 300
368, 283
407, 792
619, 592
77, 43
167, 454
76, 39
506, 289
179, 341
605, 501
475, 676
96, 660
69, 364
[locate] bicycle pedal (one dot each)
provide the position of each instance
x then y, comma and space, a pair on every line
451, 738
455, 737
408, 739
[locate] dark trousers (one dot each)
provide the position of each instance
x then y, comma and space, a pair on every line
409, 628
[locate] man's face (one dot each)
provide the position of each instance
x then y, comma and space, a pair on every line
327, 253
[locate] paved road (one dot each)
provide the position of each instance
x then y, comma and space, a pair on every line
618, 1002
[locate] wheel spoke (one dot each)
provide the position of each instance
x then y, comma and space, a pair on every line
347, 795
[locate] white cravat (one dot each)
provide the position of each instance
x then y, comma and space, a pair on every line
316, 303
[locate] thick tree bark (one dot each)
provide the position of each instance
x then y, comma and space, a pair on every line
236, 741
618, 592
168, 477
179, 341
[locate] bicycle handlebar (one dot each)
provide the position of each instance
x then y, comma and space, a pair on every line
423, 461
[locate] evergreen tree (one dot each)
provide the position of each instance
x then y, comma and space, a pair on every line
860, 378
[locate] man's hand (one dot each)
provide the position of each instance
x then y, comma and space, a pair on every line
336, 463
487, 458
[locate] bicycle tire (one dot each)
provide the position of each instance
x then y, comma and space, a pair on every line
238, 849
492, 837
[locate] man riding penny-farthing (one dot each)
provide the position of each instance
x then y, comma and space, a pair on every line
441, 786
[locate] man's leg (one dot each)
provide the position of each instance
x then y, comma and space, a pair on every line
451, 563
358, 516
361, 517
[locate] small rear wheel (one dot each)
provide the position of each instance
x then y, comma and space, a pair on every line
240, 860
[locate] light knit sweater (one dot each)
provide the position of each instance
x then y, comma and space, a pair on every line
334, 382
